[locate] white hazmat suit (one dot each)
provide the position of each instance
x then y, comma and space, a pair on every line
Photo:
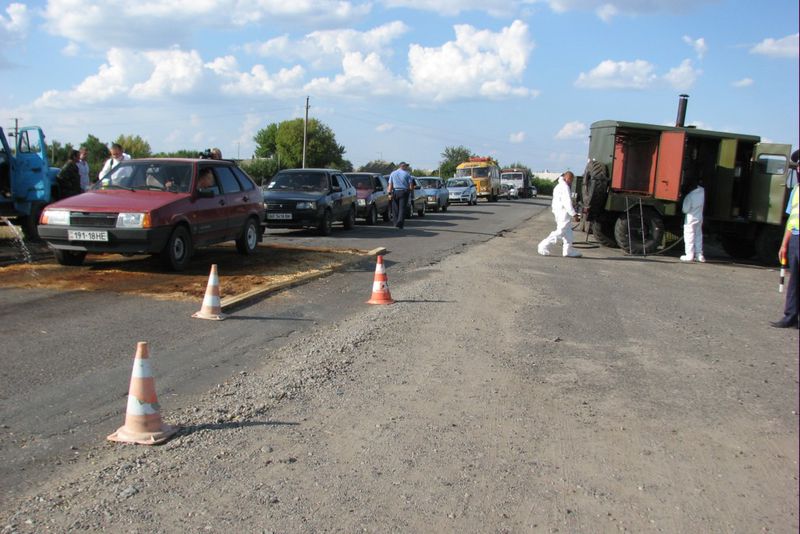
563, 213
693, 225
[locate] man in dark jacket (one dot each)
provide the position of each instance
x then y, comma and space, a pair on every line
69, 179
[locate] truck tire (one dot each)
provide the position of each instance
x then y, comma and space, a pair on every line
72, 258
603, 232
30, 223
645, 237
738, 247
768, 241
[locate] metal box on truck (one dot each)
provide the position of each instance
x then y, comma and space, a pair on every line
636, 191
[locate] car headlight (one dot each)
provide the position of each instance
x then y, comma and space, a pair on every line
133, 220
431, 199
306, 205
55, 217
362, 201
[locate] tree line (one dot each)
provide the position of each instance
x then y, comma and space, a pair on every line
278, 146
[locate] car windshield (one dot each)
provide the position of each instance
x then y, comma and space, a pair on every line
148, 175
360, 181
299, 182
511, 176
458, 182
427, 183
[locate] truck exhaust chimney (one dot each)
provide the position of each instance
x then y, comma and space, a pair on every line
681, 119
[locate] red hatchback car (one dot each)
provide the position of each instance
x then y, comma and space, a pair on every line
157, 206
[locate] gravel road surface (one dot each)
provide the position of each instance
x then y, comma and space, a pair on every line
504, 392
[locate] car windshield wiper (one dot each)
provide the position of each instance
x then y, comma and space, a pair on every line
117, 186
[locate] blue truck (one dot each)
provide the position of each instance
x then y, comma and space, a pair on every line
27, 182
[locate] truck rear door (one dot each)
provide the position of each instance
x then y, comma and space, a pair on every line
669, 166
768, 191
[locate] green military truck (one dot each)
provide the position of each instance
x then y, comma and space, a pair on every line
633, 185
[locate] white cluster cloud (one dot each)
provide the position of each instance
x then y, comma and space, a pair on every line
385, 127
320, 46
783, 47
744, 82
496, 8
683, 76
605, 9
152, 24
699, 45
516, 137
258, 81
573, 130
137, 75
638, 74
361, 74
477, 63
610, 74
15, 23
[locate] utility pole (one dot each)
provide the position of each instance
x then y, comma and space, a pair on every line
305, 134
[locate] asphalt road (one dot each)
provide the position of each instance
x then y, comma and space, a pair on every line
66, 359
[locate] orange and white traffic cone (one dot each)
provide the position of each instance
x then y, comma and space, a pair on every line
380, 287
143, 423
211, 305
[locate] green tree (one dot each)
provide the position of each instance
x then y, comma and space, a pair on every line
346, 165
182, 153
378, 165
517, 165
97, 154
134, 145
265, 139
260, 169
322, 150
58, 153
451, 157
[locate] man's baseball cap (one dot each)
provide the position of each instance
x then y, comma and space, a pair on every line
402, 163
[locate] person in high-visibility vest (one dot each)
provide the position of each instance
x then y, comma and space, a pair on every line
789, 253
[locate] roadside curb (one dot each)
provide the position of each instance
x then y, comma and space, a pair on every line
238, 300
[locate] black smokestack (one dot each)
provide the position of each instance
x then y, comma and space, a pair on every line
681, 119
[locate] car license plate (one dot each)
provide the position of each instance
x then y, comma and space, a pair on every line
85, 235
281, 216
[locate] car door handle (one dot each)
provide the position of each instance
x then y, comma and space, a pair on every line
36, 169
245, 198
221, 202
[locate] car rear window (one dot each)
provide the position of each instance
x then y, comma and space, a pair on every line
229, 182
245, 181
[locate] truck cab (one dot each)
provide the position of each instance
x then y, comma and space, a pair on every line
27, 182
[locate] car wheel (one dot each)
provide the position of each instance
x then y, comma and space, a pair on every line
69, 257
325, 226
350, 220
444, 208
248, 241
386, 215
372, 215
436, 208
178, 251
421, 211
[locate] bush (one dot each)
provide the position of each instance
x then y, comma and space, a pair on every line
544, 187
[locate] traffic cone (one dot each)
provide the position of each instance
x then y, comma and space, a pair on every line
380, 288
143, 423
211, 308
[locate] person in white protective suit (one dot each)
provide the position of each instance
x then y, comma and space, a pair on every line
693, 224
563, 213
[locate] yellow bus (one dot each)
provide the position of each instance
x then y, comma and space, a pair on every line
485, 173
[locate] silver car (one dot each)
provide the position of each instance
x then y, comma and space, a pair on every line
462, 190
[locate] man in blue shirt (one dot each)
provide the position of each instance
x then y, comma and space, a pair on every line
400, 186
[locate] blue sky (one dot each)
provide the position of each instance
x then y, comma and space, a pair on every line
521, 80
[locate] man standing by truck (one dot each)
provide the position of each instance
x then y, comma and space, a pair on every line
693, 224
563, 211
789, 252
